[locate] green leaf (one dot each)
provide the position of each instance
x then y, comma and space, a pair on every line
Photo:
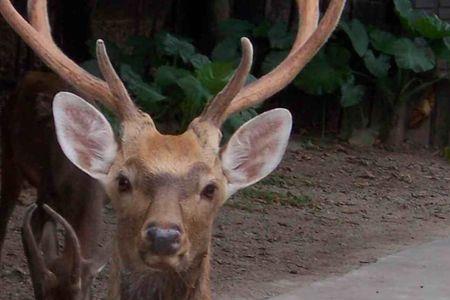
227, 50
441, 49
175, 47
193, 89
279, 37
273, 59
383, 41
338, 56
166, 76
420, 23
410, 56
378, 66
431, 27
199, 60
357, 33
215, 76
325, 73
146, 95
406, 13
351, 94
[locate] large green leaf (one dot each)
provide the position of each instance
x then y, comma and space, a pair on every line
194, 90
146, 95
351, 94
325, 73
215, 76
383, 41
176, 47
199, 60
432, 27
377, 66
441, 49
166, 76
410, 56
420, 23
357, 33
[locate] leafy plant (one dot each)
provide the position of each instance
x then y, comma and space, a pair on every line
168, 78
377, 62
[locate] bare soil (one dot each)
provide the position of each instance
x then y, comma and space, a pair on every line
326, 210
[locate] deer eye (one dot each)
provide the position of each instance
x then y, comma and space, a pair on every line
123, 183
209, 191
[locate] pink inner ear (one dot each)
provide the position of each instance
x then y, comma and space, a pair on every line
256, 148
84, 134
264, 146
81, 123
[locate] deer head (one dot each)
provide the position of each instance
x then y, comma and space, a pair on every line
166, 189
48, 268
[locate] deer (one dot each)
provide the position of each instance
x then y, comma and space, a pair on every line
30, 152
166, 190
48, 265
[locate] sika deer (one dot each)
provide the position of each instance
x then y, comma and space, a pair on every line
30, 152
49, 268
166, 190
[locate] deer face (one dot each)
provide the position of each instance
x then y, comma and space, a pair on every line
167, 190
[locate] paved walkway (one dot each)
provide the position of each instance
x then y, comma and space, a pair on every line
418, 273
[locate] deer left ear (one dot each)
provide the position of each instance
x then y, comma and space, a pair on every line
256, 149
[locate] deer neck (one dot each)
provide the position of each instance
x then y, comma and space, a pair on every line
128, 283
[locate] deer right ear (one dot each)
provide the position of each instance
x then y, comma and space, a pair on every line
84, 135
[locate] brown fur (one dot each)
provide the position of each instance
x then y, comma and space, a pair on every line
31, 152
167, 174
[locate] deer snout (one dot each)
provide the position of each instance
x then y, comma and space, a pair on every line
164, 240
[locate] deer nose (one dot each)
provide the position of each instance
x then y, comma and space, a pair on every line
164, 240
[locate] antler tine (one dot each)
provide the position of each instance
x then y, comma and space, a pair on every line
308, 21
38, 17
215, 111
286, 71
77, 258
31, 245
125, 106
40, 40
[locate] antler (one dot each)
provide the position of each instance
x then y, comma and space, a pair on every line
36, 256
37, 35
36, 259
309, 40
72, 238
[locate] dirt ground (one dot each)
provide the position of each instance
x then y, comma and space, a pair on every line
326, 210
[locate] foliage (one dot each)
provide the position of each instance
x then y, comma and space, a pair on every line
371, 61
168, 78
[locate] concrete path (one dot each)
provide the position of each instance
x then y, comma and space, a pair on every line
418, 273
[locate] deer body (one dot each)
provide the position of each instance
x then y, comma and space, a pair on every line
167, 190
31, 152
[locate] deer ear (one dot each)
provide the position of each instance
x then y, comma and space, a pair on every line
256, 149
84, 135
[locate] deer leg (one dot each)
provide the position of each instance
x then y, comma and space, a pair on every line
11, 184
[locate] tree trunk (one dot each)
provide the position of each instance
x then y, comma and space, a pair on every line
396, 134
